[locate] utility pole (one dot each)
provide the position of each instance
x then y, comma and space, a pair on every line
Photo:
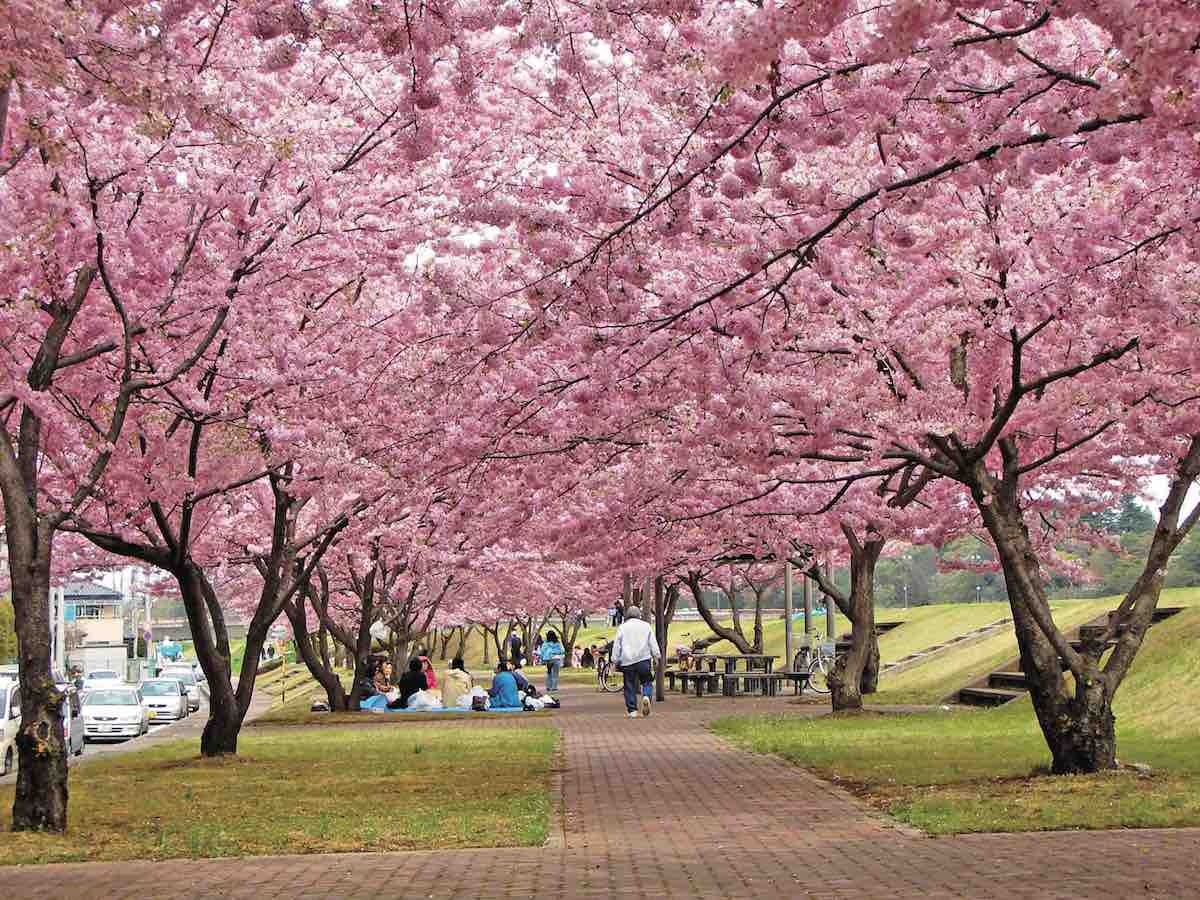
808, 622
660, 629
787, 614
830, 606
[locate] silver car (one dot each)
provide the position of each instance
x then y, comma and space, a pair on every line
114, 713
185, 676
165, 698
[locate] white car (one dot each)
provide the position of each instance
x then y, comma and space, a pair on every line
10, 724
166, 698
114, 713
72, 716
103, 678
185, 676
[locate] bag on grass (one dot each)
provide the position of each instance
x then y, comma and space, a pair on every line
424, 700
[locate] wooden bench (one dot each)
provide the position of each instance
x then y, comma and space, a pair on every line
768, 682
799, 680
701, 680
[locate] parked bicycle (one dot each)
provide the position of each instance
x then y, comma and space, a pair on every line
606, 676
816, 661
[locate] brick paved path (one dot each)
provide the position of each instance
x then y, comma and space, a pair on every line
662, 808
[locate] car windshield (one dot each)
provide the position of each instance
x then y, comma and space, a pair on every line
183, 675
111, 698
160, 688
96, 676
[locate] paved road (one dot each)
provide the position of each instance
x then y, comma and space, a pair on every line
661, 807
191, 727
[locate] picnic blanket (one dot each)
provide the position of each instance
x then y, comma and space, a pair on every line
379, 703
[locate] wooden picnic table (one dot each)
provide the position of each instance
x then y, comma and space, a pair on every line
754, 661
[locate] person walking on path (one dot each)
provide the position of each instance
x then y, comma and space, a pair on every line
633, 652
552, 654
618, 613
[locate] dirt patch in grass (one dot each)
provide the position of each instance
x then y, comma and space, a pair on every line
306, 791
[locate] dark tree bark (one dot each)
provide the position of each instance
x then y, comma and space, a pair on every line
568, 631
40, 802
1078, 722
314, 655
665, 599
695, 582
760, 589
463, 633
848, 681
283, 573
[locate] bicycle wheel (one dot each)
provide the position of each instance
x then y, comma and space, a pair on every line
818, 675
604, 678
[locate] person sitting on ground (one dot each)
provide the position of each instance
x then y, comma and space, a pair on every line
430, 675
458, 683
410, 682
382, 679
522, 682
587, 659
503, 691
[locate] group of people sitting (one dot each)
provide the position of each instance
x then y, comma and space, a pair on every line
510, 688
419, 677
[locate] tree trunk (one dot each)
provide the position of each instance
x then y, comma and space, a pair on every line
1079, 730
870, 675
568, 636
41, 797
846, 680
210, 640
317, 663
735, 612
734, 637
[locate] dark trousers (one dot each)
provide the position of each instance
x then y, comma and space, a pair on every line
638, 680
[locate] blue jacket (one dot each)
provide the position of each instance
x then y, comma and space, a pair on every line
504, 690
551, 649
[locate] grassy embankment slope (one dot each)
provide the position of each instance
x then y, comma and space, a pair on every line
980, 770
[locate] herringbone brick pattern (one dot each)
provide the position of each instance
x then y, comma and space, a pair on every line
660, 807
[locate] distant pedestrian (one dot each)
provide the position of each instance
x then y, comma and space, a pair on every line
514, 648
633, 652
618, 613
552, 655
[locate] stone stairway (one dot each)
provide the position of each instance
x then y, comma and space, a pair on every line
881, 628
923, 654
1007, 683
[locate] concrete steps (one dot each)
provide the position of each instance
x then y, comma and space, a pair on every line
1009, 682
985, 696
881, 628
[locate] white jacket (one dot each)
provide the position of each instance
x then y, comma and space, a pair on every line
634, 642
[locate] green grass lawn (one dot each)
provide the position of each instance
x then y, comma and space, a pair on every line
306, 791
951, 772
